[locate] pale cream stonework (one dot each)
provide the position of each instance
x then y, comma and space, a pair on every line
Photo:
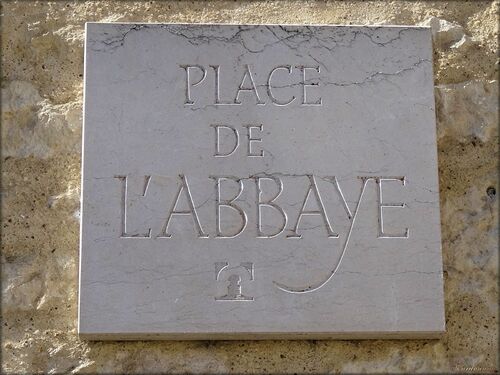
42, 66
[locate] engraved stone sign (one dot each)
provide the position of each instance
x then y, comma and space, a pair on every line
252, 182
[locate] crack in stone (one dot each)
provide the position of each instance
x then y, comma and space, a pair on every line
372, 77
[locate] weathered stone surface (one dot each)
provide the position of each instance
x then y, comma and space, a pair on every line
40, 197
446, 34
36, 126
468, 109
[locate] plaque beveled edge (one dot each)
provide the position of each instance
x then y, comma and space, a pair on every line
347, 335
370, 26
80, 240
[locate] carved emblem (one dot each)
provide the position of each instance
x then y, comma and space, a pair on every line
234, 280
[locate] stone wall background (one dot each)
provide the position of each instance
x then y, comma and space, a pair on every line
42, 69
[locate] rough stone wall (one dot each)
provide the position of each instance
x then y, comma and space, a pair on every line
42, 67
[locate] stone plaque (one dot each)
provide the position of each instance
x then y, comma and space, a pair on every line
253, 182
